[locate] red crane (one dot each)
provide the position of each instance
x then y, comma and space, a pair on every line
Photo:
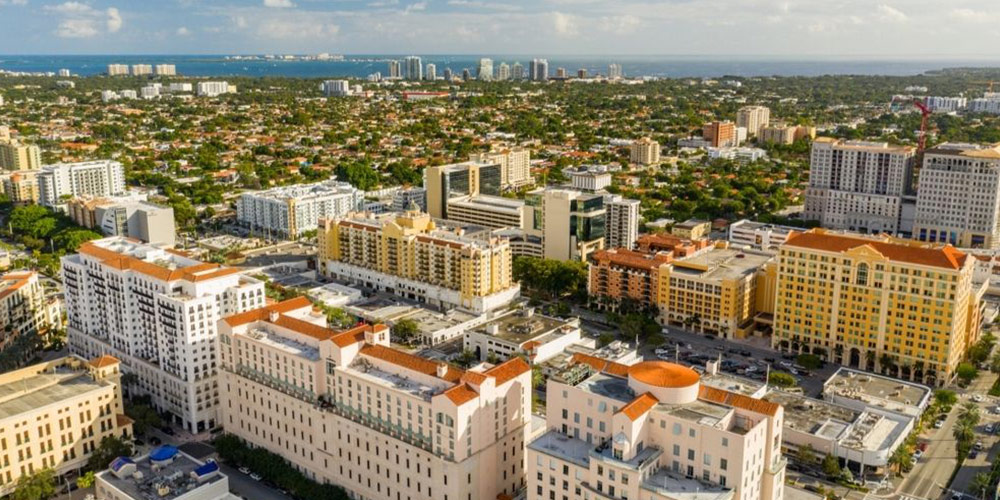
925, 113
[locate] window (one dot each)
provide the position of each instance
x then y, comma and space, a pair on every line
690, 454
723, 464
862, 275
725, 441
677, 429
707, 459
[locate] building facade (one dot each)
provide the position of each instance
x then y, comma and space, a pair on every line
156, 311
456, 180
858, 186
753, 118
900, 307
515, 165
344, 407
618, 275
16, 156
644, 151
959, 197
94, 178
289, 211
653, 431
758, 235
21, 187
571, 224
58, 417
408, 255
23, 308
144, 221
622, 222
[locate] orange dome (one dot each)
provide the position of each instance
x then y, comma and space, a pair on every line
663, 374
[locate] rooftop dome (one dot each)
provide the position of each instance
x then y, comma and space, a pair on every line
668, 382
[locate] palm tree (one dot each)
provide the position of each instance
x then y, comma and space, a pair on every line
900, 457
969, 414
980, 484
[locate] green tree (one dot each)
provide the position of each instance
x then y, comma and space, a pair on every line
980, 485
806, 454
143, 416
38, 486
86, 480
900, 458
780, 379
966, 372
809, 361
71, 239
945, 397
405, 331
111, 447
537, 377
831, 466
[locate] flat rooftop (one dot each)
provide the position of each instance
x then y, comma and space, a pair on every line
813, 416
286, 345
522, 326
720, 264
559, 445
362, 368
494, 203
700, 411
731, 383
43, 389
609, 387
175, 479
878, 391
678, 487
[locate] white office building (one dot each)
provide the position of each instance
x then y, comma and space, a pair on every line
753, 118
413, 68
142, 69
485, 72
615, 71
180, 87
430, 71
939, 104
156, 311
503, 72
517, 71
214, 89
404, 198
589, 177
539, 69
959, 197
118, 70
94, 178
336, 88
758, 235
291, 210
622, 229
858, 185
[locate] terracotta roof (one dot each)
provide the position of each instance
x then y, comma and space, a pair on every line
104, 361
601, 365
631, 259
461, 394
263, 312
19, 280
199, 272
663, 374
727, 398
411, 362
639, 406
506, 371
474, 378
352, 336
311, 329
121, 420
921, 254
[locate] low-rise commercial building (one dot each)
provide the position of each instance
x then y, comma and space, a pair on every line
53, 415
692, 229
408, 255
289, 211
522, 332
759, 235
652, 430
589, 177
344, 407
165, 474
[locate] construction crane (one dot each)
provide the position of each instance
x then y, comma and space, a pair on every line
989, 83
925, 114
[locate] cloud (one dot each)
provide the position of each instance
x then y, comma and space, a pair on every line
415, 7
70, 8
891, 14
564, 24
183, 31
13, 2
114, 21
77, 28
297, 28
279, 4
484, 5
621, 25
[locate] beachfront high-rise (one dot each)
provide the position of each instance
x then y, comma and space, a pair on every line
901, 307
156, 311
395, 69
539, 70
413, 68
615, 71
430, 72
653, 431
344, 407
858, 185
485, 71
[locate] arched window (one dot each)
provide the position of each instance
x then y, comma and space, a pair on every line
862, 276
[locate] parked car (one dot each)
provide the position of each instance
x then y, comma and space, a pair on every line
155, 441
167, 430
922, 446
977, 398
939, 424
255, 476
917, 454
244, 470
989, 428
979, 446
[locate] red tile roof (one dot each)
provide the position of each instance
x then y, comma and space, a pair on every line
461, 394
411, 362
601, 365
104, 361
508, 370
727, 398
263, 312
639, 406
921, 254
198, 272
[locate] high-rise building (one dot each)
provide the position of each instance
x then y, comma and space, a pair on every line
958, 201
561, 73
94, 178
447, 74
413, 68
503, 72
644, 151
63, 72
165, 70
622, 222
180, 87
589, 177
336, 88
142, 69
777, 134
445, 182
404, 199
430, 72
134, 218
20, 186
581, 73
720, 134
485, 72
517, 71
619, 274
57, 412
419, 428
858, 186
615, 71
653, 430
515, 165
496, 212
570, 223
901, 307
395, 69
288, 211
16, 156
156, 311
753, 118
22, 308
409, 255
118, 70
466, 75
213, 89
539, 69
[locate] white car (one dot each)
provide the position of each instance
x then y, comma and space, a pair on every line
977, 398
244, 470
255, 476
939, 424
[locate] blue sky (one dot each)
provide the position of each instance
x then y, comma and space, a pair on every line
912, 28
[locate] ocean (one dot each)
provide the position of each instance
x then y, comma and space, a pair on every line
360, 66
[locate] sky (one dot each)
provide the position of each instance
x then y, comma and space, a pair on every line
863, 28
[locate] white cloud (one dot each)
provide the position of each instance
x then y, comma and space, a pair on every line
13, 2
70, 8
415, 7
564, 24
892, 14
114, 21
279, 4
77, 28
621, 25
297, 28
183, 31
484, 5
